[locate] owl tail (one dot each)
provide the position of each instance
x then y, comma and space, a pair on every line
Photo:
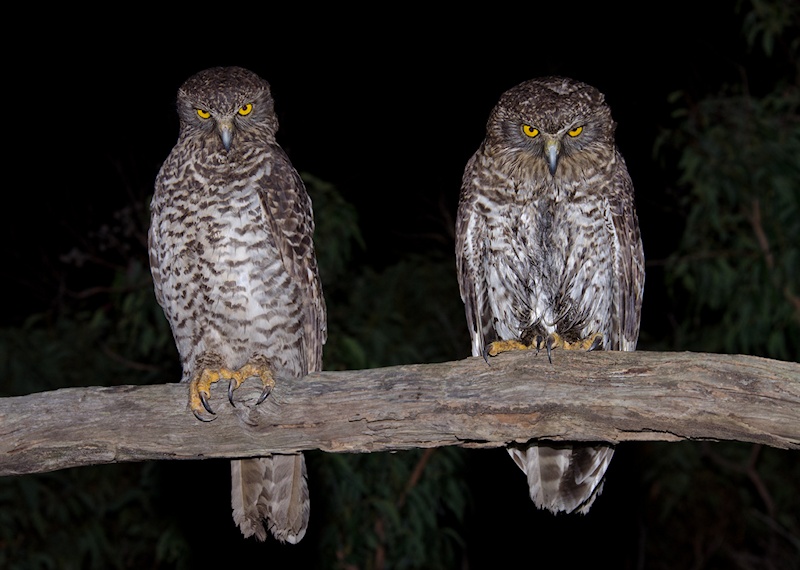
273, 489
566, 477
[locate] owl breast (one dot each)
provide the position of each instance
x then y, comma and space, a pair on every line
551, 264
223, 284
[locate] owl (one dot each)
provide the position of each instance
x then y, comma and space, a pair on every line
234, 268
549, 254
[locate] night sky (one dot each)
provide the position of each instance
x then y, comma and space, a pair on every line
388, 109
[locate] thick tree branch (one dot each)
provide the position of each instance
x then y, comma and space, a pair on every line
600, 396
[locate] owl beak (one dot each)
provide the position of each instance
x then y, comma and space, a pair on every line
226, 133
551, 148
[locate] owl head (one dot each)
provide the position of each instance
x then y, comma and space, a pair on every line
552, 123
221, 105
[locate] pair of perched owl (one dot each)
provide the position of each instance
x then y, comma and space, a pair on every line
548, 255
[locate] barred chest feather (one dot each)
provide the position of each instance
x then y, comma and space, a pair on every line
550, 260
223, 284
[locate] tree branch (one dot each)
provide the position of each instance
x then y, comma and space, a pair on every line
597, 396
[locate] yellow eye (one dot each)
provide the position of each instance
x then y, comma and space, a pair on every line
576, 131
530, 131
203, 114
245, 109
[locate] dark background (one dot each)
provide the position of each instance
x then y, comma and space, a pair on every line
388, 106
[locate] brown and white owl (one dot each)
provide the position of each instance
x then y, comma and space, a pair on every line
234, 269
549, 254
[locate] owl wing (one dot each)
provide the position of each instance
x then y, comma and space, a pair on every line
291, 219
628, 261
471, 243
155, 238
276, 487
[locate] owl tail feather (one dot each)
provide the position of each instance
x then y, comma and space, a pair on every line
274, 489
564, 478
287, 496
249, 505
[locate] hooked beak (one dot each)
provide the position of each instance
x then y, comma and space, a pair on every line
226, 133
551, 148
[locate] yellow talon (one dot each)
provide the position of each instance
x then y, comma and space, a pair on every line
551, 341
200, 386
250, 369
499, 346
200, 390
591, 342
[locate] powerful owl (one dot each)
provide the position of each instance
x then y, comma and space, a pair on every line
549, 253
234, 269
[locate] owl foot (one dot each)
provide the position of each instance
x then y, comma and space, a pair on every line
200, 386
258, 368
538, 342
591, 342
555, 340
548, 343
200, 390
499, 346
597, 342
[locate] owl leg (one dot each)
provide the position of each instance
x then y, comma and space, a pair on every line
258, 367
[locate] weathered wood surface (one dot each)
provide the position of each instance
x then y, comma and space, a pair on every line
602, 396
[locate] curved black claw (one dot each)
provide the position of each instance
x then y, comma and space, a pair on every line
206, 405
230, 391
538, 342
264, 393
486, 353
549, 345
596, 343
203, 419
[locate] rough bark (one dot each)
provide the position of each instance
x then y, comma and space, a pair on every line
604, 396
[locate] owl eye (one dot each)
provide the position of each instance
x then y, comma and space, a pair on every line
575, 132
530, 131
203, 114
245, 109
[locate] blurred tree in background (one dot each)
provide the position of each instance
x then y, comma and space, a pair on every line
733, 282
735, 288
737, 270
